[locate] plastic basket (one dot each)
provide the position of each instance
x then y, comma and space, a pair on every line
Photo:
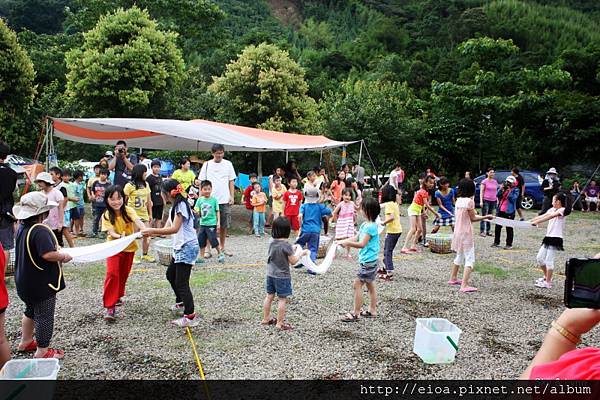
435, 340
31, 369
10, 263
164, 251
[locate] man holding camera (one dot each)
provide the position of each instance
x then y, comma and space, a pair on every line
121, 163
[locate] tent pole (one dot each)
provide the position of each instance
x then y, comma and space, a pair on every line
259, 166
360, 152
286, 156
343, 155
321, 159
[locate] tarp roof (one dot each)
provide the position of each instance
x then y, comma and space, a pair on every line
195, 135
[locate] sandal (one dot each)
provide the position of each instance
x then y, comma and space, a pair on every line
405, 251
285, 327
468, 289
53, 353
271, 321
414, 250
31, 347
367, 314
387, 277
350, 318
455, 282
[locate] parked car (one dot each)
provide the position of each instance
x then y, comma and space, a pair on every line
533, 197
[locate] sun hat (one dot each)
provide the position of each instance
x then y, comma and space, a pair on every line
34, 203
511, 179
44, 177
552, 171
311, 194
109, 154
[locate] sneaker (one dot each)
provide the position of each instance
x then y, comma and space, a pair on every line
495, 245
109, 315
507, 247
221, 258
137, 259
119, 303
93, 236
187, 320
299, 265
542, 279
544, 285
177, 309
148, 258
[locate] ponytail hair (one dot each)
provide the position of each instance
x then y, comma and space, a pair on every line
174, 189
566, 200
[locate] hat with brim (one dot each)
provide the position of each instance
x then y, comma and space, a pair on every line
44, 177
32, 204
552, 171
311, 195
511, 179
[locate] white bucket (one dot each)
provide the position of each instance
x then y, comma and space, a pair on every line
435, 340
31, 369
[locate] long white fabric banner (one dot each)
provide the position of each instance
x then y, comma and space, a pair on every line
512, 223
100, 251
311, 266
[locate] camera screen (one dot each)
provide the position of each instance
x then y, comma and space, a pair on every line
585, 291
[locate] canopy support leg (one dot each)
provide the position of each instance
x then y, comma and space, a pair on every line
321, 159
360, 152
259, 166
286, 156
343, 155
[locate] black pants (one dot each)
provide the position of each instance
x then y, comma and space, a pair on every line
178, 275
509, 231
59, 236
42, 314
97, 212
391, 239
546, 205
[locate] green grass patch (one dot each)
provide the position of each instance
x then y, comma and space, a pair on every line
487, 268
202, 278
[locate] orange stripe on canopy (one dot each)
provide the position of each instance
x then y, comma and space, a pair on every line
78, 131
279, 137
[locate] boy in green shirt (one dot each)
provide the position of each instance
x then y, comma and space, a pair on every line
207, 208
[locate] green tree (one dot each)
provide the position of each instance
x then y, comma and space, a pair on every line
16, 89
265, 88
385, 114
126, 67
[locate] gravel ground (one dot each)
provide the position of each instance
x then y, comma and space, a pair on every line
502, 325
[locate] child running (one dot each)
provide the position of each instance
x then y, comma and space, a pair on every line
419, 205
343, 216
445, 197
279, 278
207, 207
137, 196
553, 241
185, 252
292, 200
393, 231
277, 192
259, 202
118, 221
462, 238
368, 243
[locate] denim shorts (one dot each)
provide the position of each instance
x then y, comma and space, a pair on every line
281, 286
81, 210
187, 254
74, 213
367, 272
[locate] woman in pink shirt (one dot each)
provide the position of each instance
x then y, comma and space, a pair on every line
487, 200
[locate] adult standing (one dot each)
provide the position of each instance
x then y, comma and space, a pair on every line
488, 192
221, 174
550, 186
8, 183
359, 175
521, 185
291, 172
184, 174
122, 163
396, 180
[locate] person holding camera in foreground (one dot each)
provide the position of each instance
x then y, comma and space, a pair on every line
558, 357
121, 163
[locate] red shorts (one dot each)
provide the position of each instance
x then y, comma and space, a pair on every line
294, 222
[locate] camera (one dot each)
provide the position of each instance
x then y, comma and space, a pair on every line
121, 150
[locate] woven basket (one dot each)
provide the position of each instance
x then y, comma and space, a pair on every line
440, 243
164, 251
324, 243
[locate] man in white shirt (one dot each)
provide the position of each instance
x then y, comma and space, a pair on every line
221, 174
